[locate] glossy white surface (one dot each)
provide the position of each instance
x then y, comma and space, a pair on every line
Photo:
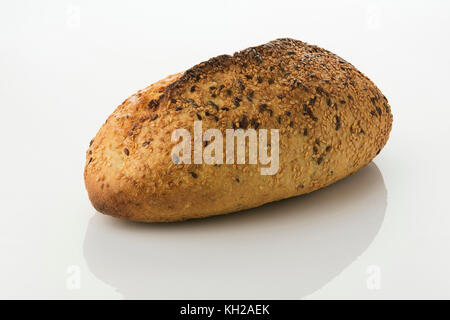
381, 233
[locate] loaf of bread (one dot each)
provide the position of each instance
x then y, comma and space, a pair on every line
331, 120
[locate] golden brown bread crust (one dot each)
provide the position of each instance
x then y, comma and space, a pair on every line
332, 121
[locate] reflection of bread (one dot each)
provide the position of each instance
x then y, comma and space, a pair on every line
332, 121
142, 261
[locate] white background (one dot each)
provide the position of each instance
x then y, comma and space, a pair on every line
65, 66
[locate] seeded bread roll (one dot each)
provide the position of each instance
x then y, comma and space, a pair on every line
332, 121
